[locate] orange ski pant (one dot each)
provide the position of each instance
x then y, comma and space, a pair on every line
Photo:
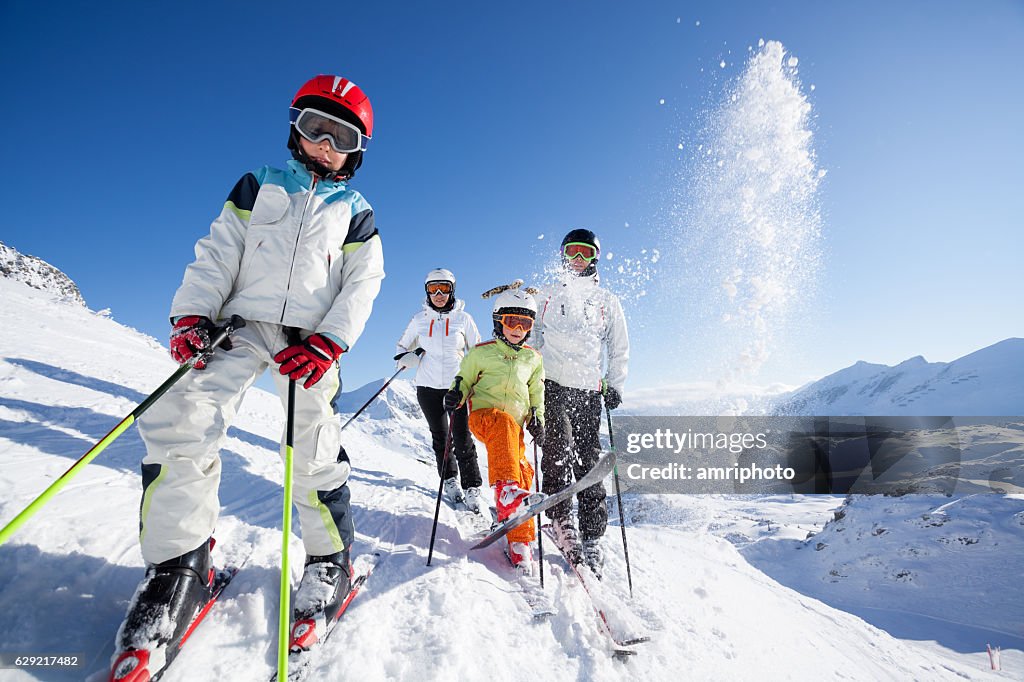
506, 457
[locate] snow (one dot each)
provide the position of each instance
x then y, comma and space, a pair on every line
864, 561
750, 217
987, 382
722, 593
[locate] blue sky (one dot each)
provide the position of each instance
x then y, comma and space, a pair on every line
127, 124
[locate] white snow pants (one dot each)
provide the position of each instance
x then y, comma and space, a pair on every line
184, 431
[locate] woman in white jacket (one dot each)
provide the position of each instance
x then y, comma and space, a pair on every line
445, 331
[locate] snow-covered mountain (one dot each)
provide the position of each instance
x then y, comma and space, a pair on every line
988, 382
38, 274
714, 607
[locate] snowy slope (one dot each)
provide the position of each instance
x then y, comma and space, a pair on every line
951, 555
988, 382
68, 375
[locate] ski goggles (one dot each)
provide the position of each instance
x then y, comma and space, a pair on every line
315, 126
516, 321
587, 252
443, 287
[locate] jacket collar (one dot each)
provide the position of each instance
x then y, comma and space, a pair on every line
574, 283
459, 305
508, 350
305, 178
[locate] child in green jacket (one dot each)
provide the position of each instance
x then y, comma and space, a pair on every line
503, 380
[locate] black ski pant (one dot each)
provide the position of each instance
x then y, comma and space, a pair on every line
572, 421
463, 449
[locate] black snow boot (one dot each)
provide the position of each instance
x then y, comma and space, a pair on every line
593, 555
165, 604
325, 585
568, 538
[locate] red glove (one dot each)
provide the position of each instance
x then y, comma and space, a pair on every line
190, 336
314, 357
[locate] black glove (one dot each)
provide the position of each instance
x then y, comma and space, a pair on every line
452, 399
612, 399
536, 429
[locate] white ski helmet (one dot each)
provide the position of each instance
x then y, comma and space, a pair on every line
515, 301
512, 302
436, 276
440, 275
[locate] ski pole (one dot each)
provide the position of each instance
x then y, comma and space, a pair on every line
284, 619
618, 495
540, 518
224, 330
440, 486
418, 351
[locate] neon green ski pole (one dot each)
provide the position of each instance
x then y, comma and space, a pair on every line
284, 619
28, 512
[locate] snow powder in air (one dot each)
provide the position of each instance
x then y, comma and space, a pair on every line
750, 217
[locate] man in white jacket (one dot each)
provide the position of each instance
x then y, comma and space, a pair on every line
581, 333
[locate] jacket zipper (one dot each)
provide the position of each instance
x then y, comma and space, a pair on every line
295, 249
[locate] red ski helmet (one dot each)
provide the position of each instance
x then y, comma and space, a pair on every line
339, 97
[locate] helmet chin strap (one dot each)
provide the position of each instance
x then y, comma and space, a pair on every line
499, 334
314, 166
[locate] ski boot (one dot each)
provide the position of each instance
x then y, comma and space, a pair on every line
472, 500
568, 539
325, 584
593, 556
511, 500
164, 606
521, 556
453, 491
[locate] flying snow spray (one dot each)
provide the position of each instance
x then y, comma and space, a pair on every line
752, 219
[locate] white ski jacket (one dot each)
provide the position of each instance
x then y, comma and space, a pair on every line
445, 339
289, 251
581, 328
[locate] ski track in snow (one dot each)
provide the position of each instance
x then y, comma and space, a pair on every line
68, 375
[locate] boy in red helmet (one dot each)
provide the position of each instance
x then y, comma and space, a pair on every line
295, 252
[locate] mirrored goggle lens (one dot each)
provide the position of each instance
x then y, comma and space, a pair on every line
315, 126
576, 249
443, 287
517, 322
